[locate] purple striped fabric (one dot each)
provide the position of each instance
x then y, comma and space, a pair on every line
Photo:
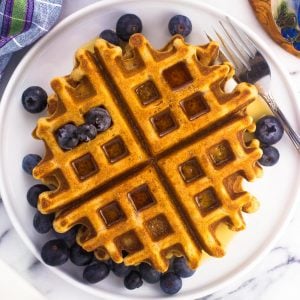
4, 40
27, 22
7, 18
38, 18
29, 14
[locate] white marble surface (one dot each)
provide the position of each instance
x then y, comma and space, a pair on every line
276, 277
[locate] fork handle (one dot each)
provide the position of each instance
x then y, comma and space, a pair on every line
294, 137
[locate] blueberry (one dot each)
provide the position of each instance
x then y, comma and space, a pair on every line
269, 130
181, 268
297, 45
109, 263
170, 283
42, 223
289, 33
55, 252
148, 273
67, 136
180, 25
69, 236
29, 162
270, 156
110, 36
79, 256
86, 132
121, 270
133, 280
127, 25
34, 99
34, 192
95, 272
99, 117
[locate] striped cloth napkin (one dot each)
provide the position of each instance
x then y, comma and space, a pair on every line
22, 22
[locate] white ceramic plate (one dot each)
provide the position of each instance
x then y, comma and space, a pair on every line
52, 56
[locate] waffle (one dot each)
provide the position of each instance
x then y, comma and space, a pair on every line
179, 153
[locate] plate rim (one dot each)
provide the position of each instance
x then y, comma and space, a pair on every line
265, 249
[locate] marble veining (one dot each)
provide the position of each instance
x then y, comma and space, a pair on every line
295, 72
3, 234
35, 264
273, 268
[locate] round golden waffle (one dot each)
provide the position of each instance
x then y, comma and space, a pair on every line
159, 181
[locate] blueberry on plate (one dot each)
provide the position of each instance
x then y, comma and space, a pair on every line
79, 256
110, 36
29, 162
181, 268
297, 45
34, 192
148, 273
42, 223
99, 117
289, 33
269, 130
270, 156
133, 280
180, 24
120, 270
69, 236
67, 137
170, 283
128, 25
34, 99
109, 263
55, 252
86, 132
95, 272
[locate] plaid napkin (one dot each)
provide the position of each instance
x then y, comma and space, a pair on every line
22, 22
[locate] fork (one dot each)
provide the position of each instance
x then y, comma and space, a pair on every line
252, 67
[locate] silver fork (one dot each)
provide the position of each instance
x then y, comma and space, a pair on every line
252, 67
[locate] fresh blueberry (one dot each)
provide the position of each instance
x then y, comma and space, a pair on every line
29, 162
180, 25
67, 136
109, 263
55, 252
69, 236
86, 132
127, 25
269, 130
34, 99
95, 272
289, 33
181, 268
34, 192
148, 273
110, 36
297, 45
270, 156
121, 270
42, 223
170, 283
99, 117
133, 280
79, 256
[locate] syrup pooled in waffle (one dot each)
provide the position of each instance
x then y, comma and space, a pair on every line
175, 88
168, 170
